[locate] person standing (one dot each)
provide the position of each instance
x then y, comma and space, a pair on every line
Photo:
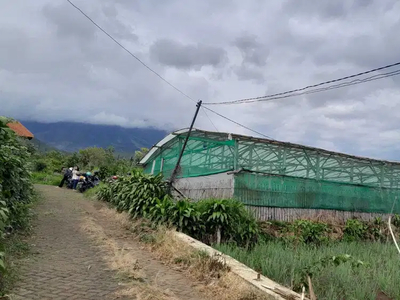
75, 177
67, 173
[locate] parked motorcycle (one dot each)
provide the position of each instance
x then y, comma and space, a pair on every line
87, 181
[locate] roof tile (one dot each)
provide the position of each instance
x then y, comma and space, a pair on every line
20, 129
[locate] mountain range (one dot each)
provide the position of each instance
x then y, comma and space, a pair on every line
71, 136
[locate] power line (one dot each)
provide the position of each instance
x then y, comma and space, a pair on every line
158, 75
286, 94
138, 59
241, 125
130, 53
208, 117
354, 82
333, 87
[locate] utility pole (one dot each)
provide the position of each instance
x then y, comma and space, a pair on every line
174, 173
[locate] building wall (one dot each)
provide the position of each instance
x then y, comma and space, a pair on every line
218, 186
325, 215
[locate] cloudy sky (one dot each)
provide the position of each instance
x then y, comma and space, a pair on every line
55, 65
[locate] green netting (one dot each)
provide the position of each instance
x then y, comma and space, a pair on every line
292, 192
202, 156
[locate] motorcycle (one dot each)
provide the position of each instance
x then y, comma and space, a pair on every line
87, 181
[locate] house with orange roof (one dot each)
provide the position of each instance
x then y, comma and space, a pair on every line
20, 130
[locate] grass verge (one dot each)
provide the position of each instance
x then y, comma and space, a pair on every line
91, 193
46, 178
284, 264
15, 249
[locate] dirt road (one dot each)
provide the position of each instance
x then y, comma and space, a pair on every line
80, 252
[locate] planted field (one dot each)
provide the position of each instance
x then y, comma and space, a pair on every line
286, 265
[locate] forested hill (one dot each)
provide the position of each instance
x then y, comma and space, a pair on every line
70, 137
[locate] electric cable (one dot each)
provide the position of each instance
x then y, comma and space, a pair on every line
237, 123
295, 92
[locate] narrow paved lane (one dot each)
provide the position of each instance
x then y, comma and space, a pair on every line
68, 264
65, 263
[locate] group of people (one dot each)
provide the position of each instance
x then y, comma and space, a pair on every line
70, 172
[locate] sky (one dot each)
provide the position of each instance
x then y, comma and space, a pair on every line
57, 66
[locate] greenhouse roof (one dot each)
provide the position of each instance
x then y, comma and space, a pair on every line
230, 136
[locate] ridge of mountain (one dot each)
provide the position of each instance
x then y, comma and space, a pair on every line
72, 136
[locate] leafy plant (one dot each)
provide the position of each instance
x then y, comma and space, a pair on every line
355, 230
162, 211
396, 220
3, 215
228, 219
16, 190
40, 166
310, 232
186, 218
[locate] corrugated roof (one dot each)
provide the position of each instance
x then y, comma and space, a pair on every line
20, 129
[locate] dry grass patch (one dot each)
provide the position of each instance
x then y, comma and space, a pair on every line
146, 292
125, 264
214, 274
119, 259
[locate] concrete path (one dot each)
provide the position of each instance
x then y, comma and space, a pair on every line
68, 264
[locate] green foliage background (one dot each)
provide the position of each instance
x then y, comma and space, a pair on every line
16, 189
48, 166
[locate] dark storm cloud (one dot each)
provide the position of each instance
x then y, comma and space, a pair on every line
174, 54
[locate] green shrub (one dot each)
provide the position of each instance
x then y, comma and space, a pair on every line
105, 172
16, 189
396, 220
162, 211
231, 218
40, 166
355, 230
186, 218
310, 232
